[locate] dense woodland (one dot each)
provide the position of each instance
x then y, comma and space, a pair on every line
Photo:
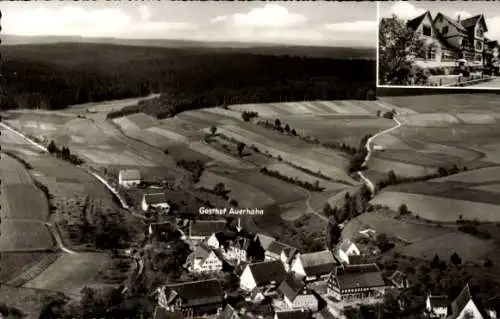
54, 76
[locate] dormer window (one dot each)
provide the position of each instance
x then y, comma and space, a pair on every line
479, 31
445, 30
426, 30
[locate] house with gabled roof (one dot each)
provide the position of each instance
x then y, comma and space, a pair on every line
436, 306
232, 246
229, 313
129, 178
466, 304
194, 298
200, 230
314, 266
357, 282
264, 240
266, 275
399, 280
448, 39
347, 249
297, 296
155, 201
204, 260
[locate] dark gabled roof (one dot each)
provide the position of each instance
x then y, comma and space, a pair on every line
415, 22
440, 301
161, 313
196, 293
228, 313
291, 287
155, 198
325, 313
202, 251
359, 276
461, 301
472, 21
264, 240
206, 228
318, 263
267, 272
456, 24
277, 247
296, 314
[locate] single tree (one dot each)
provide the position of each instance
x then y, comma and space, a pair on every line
52, 148
378, 113
287, 128
392, 178
294, 133
333, 233
277, 123
435, 261
403, 209
213, 130
398, 46
455, 259
240, 147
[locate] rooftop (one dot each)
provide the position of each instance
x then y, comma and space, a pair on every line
265, 241
295, 314
440, 301
196, 292
155, 198
267, 272
318, 263
291, 287
359, 276
206, 228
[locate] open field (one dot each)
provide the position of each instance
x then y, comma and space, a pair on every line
480, 103
204, 119
292, 172
19, 235
477, 176
441, 208
139, 120
302, 154
401, 229
218, 156
17, 265
29, 301
71, 273
107, 106
429, 119
102, 157
468, 247
400, 168
223, 113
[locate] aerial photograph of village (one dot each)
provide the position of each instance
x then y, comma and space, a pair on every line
238, 160
452, 44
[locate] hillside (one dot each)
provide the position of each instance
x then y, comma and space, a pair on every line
54, 76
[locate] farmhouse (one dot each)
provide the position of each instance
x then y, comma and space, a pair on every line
265, 275
448, 40
156, 201
356, 282
232, 246
466, 304
314, 266
297, 296
129, 178
192, 298
200, 230
280, 251
436, 306
229, 313
346, 249
204, 260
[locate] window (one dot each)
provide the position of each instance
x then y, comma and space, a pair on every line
479, 32
479, 45
445, 30
478, 58
426, 30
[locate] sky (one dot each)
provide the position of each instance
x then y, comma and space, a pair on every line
308, 23
411, 9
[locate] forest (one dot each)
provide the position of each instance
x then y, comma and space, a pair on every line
55, 76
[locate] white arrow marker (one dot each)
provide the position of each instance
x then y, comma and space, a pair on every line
238, 228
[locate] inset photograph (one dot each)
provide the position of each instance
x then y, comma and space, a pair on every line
439, 44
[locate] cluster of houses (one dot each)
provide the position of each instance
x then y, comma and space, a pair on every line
294, 284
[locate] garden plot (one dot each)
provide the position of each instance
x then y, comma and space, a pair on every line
468, 247
173, 136
441, 209
71, 273
246, 195
305, 158
217, 155
24, 235
445, 102
429, 119
292, 172
126, 124
223, 112
264, 110
382, 224
351, 107
476, 118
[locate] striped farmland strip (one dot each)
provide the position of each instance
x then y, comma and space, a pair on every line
313, 108
353, 108
297, 107
168, 134
333, 107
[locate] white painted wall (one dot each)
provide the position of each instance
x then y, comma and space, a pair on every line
297, 267
470, 307
247, 281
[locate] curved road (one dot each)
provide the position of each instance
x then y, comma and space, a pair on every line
369, 150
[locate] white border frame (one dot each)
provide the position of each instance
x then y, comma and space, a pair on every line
418, 86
